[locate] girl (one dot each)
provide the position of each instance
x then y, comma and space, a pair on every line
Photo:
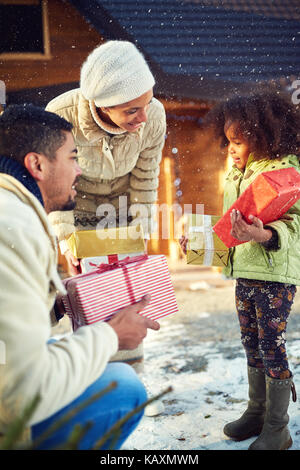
261, 134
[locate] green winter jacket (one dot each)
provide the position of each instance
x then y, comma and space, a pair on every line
251, 260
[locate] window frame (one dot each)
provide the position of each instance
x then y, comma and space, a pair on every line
46, 55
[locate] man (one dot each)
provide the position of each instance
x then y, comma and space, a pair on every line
38, 174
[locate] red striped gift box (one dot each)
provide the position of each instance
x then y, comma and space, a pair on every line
97, 295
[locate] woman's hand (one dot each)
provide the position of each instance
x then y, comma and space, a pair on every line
73, 263
243, 231
183, 243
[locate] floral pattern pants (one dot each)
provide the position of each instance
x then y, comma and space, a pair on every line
263, 308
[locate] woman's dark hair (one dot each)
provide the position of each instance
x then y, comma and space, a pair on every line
267, 120
27, 128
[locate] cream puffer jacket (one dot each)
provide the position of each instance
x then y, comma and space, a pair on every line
58, 372
113, 165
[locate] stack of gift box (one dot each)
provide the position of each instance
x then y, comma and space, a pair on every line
204, 246
268, 197
93, 247
116, 272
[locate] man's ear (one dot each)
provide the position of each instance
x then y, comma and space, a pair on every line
34, 165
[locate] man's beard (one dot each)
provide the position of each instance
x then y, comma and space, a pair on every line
69, 205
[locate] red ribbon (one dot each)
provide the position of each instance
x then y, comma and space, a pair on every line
122, 264
118, 264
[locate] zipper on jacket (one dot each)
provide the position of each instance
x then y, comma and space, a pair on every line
268, 259
230, 260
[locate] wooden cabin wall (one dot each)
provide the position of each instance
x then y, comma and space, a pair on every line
71, 40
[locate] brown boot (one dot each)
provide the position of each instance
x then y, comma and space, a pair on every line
275, 434
251, 422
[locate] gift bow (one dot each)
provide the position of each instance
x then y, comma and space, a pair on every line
118, 264
103, 267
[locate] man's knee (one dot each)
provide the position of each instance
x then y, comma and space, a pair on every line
128, 383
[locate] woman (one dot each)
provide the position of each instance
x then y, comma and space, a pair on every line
119, 131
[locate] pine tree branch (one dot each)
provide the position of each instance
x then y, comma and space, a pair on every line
18, 426
69, 415
117, 427
77, 434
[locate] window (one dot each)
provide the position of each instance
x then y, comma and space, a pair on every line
25, 31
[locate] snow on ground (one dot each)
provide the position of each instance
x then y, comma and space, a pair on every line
210, 388
198, 352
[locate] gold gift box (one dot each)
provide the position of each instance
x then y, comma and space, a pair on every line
204, 246
90, 243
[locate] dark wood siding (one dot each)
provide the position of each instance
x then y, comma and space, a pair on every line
71, 40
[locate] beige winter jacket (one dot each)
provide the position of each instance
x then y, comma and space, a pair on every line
58, 372
113, 165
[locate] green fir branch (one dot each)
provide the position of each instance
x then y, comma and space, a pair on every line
117, 427
69, 415
14, 433
77, 434
16, 429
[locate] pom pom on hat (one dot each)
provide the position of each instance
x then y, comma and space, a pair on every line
115, 73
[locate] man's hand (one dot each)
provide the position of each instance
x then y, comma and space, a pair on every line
131, 328
73, 263
243, 231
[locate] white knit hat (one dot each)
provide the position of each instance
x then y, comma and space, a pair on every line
115, 73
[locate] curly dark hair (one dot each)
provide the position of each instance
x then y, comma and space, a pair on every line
267, 120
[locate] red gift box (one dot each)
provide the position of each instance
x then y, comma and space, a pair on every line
96, 295
268, 197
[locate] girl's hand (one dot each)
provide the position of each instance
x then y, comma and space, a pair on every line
183, 242
246, 232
